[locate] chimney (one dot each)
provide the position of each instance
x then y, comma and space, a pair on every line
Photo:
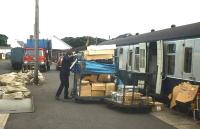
31, 36
173, 26
152, 30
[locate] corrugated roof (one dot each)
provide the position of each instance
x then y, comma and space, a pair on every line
180, 32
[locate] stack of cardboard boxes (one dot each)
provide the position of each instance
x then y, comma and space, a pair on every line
97, 85
129, 97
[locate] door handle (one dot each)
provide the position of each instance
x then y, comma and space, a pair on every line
192, 78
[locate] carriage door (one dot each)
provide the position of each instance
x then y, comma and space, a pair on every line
159, 66
142, 63
188, 48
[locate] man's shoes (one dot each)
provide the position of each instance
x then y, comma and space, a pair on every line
57, 98
67, 99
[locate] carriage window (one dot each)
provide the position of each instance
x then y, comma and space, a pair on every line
121, 51
142, 58
188, 60
171, 49
137, 50
116, 54
137, 55
171, 64
130, 57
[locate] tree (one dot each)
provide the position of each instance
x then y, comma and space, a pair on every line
3, 40
124, 35
81, 41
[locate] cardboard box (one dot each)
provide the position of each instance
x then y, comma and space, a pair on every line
184, 92
86, 90
98, 93
132, 96
158, 106
146, 99
91, 78
104, 78
108, 93
98, 86
110, 87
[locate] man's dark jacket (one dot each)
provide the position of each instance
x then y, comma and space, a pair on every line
65, 69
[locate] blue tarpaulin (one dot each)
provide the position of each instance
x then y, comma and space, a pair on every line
92, 66
96, 67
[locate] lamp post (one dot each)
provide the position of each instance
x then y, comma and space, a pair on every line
36, 35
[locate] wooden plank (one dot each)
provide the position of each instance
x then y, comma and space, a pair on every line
101, 52
101, 47
98, 57
3, 120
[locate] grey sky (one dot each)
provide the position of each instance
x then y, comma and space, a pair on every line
99, 18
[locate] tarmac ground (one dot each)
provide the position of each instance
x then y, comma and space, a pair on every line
52, 114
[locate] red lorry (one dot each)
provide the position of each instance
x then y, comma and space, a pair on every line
44, 56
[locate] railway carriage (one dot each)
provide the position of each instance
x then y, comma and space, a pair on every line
161, 59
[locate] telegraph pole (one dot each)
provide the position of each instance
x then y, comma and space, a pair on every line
96, 41
36, 35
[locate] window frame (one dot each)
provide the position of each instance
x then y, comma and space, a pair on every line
186, 61
142, 58
136, 58
130, 58
170, 54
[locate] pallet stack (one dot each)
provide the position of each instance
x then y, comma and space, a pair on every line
97, 72
102, 52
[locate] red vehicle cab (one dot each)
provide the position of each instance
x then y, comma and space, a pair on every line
29, 58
